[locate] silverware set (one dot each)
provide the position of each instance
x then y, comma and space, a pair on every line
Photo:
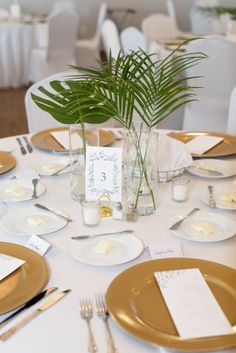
24, 149
86, 313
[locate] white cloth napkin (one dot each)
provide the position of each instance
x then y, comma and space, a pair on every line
202, 144
63, 138
172, 157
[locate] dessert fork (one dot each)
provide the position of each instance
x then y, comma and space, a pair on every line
102, 312
86, 313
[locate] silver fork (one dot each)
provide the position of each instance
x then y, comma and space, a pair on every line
102, 312
86, 313
212, 202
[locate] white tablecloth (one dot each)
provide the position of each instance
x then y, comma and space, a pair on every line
60, 329
16, 41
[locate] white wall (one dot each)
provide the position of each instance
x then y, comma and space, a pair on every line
88, 10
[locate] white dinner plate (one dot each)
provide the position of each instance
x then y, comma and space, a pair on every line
50, 165
19, 222
19, 190
126, 247
218, 192
227, 168
224, 227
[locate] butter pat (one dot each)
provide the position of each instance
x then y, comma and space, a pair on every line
103, 247
228, 197
203, 227
16, 191
50, 167
35, 220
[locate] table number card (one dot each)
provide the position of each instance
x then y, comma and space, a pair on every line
103, 173
191, 304
8, 264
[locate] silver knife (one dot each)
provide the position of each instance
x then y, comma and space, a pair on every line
178, 223
50, 210
28, 145
4, 336
22, 148
87, 236
27, 305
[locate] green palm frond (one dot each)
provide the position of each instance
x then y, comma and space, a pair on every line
135, 84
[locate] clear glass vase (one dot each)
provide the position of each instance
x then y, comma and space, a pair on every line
140, 157
79, 136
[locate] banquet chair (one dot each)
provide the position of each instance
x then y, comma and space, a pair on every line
87, 51
110, 38
203, 24
132, 39
217, 80
62, 33
38, 119
158, 26
231, 123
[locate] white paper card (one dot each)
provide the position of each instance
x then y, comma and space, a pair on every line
103, 173
161, 251
191, 304
27, 174
8, 264
202, 144
37, 244
63, 138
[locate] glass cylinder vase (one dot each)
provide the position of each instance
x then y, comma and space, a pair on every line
141, 170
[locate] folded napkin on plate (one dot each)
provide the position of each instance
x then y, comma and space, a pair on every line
172, 157
202, 144
63, 138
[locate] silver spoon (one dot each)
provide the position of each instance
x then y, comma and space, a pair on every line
35, 182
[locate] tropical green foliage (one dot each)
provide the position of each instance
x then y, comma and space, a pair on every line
135, 84
218, 11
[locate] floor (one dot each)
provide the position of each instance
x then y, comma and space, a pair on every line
12, 112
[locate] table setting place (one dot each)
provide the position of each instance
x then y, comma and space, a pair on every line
142, 267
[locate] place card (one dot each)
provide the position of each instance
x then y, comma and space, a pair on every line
63, 138
191, 304
103, 173
27, 174
37, 244
161, 251
202, 144
9, 264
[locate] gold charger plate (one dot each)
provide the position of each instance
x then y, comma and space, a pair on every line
24, 283
225, 148
46, 141
8, 162
135, 302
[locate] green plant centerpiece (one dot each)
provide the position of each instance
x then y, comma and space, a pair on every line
138, 91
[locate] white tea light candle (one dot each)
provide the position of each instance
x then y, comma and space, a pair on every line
90, 213
180, 189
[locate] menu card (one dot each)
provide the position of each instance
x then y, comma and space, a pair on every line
8, 264
191, 304
63, 138
202, 144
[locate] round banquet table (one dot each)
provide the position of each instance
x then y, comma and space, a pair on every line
60, 329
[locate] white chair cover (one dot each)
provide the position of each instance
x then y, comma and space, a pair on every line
132, 39
110, 37
38, 119
158, 26
218, 77
87, 51
231, 126
202, 23
62, 33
